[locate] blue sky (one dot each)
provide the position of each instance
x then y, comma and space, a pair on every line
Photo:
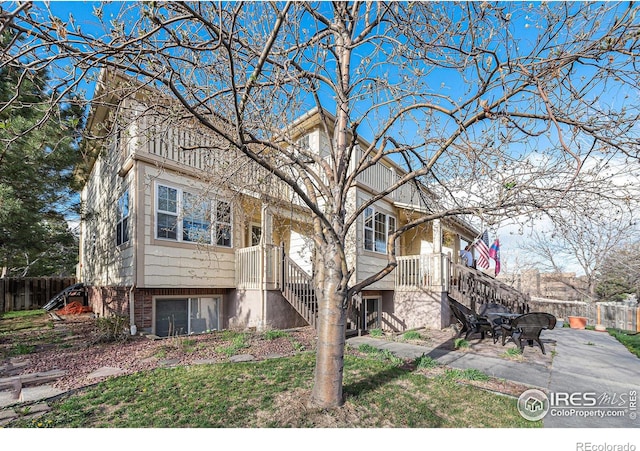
81, 14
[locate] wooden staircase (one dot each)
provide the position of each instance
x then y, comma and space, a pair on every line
472, 288
297, 288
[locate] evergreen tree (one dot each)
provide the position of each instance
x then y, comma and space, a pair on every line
38, 151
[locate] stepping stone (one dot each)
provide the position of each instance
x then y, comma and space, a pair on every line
7, 398
274, 356
105, 371
30, 379
41, 407
39, 392
14, 366
7, 415
241, 358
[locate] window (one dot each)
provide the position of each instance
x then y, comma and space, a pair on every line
377, 228
223, 223
256, 234
304, 143
122, 221
196, 224
187, 316
167, 216
187, 217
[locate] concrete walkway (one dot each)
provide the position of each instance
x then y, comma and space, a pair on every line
586, 362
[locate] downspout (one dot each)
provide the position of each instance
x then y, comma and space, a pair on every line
134, 243
132, 321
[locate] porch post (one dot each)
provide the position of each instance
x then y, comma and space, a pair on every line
266, 238
267, 225
437, 253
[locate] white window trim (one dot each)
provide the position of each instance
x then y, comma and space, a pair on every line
372, 229
213, 222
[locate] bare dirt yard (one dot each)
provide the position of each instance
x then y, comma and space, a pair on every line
70, 345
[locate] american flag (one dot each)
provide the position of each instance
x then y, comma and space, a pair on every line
482, 246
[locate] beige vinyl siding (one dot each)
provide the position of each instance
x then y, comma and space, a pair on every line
194, 268
369, 263
102, 261
171, 263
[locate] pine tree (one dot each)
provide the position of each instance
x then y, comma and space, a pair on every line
38, 151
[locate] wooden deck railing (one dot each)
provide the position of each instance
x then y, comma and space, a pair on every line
413, 271
265, 267
472, 288
259, 267
422, 271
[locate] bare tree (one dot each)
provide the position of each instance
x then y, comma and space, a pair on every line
496, 109
584, 241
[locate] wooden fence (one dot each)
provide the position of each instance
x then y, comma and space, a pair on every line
608, 314
30, 292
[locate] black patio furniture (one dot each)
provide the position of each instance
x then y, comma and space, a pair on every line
497, 314
470, 321
500, 319
527, 327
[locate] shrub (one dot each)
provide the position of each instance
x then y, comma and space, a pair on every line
112, 328
376, 332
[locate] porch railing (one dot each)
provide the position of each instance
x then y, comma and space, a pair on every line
259, 267
472, 288
422, 271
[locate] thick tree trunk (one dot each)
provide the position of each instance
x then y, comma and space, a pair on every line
327, 388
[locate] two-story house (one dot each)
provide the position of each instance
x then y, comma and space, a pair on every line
185, 236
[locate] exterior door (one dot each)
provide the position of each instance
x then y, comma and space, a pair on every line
371, 312
187, 316
171, 317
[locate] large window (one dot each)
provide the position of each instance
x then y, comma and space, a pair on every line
187, 316
377, 228
122, 222
187, 217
